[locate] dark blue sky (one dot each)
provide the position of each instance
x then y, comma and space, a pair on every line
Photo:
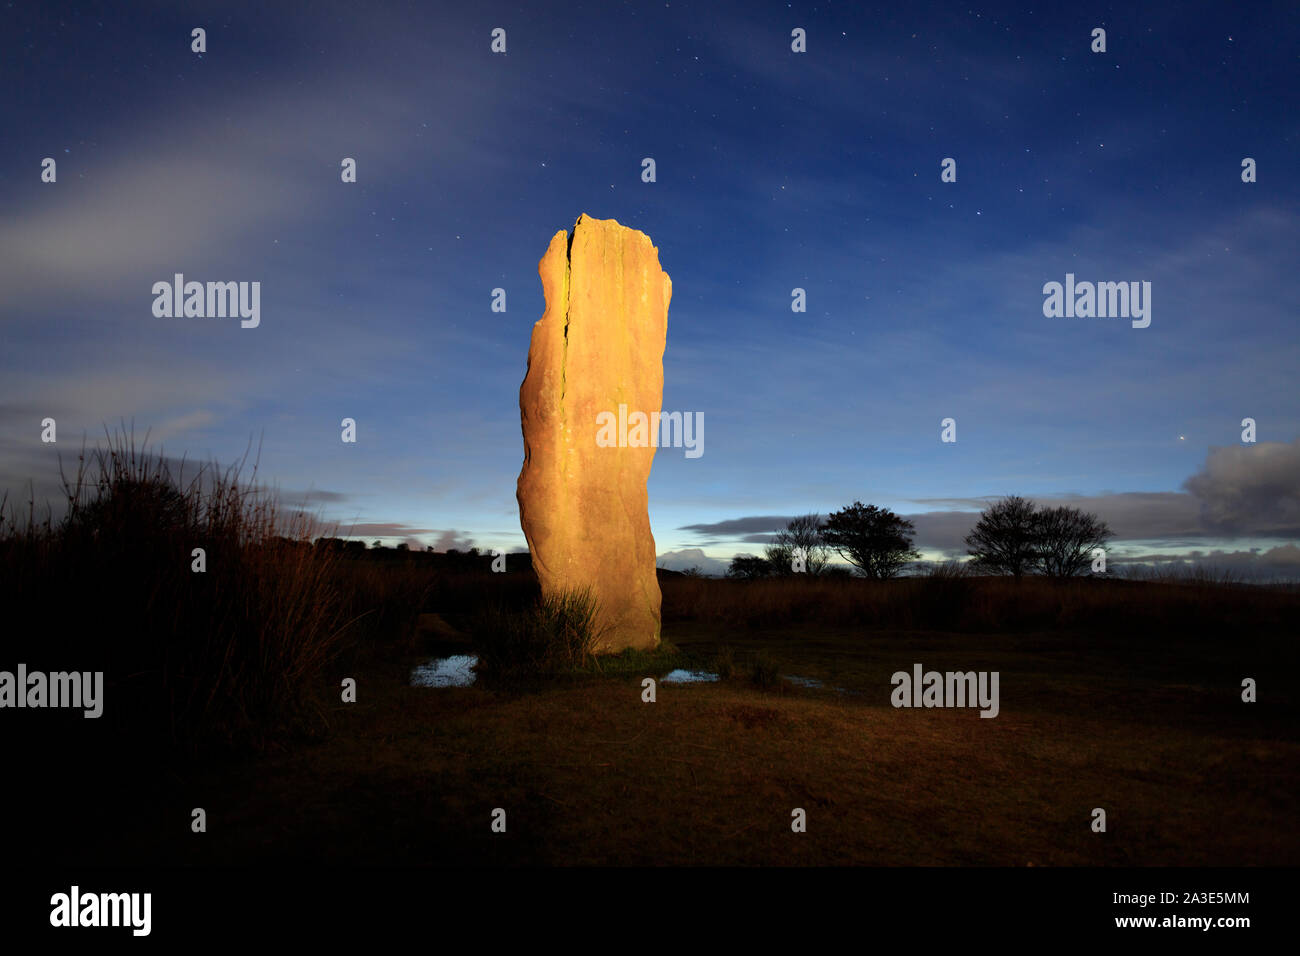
775, 170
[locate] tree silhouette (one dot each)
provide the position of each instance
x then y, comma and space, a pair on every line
1004, 540
1066, 538
874, 540
1014, 537
749, 567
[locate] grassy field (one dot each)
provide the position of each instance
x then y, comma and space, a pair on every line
223, 693
1152, 731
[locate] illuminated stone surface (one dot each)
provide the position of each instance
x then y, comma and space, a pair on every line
599, 344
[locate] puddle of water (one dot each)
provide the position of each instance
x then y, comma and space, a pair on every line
805, 681
814, 684
454, 671
682, 676
458, 671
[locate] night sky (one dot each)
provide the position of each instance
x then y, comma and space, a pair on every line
774, 170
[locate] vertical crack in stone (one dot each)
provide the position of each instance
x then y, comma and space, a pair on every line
564, 353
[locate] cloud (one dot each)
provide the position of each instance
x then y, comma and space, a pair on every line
757, 524
970, 504
449, 540
302, 499
688, 558
1277, 563
1244, 489
446, 540
942, 530
1240, 490
382, 529
185, 424
188, 188
1131, 516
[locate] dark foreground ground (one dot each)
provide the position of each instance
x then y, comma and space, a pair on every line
1151, 729
222, 692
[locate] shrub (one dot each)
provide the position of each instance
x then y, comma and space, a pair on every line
749, 567
224, 656
1188, 606
942, 595
763, 671
558, 633
724, 663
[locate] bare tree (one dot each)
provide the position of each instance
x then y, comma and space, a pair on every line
1066, 538
799, 543
1004, 540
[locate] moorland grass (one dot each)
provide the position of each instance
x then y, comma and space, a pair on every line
1115, 692
203, 602
558, 633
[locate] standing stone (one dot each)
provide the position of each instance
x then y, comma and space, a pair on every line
599, 345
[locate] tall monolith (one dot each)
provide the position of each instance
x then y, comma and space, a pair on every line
598, 346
